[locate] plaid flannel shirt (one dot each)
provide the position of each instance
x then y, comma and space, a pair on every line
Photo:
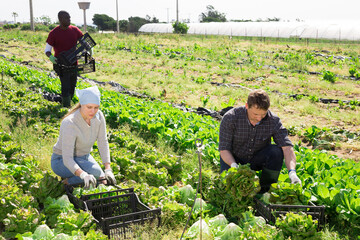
243, 140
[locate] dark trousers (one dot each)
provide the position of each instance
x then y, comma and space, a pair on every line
68, 83
270, 157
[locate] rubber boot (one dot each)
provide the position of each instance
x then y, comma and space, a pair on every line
66, 101
267, 178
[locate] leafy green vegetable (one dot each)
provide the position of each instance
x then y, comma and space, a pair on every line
256, 228
242, 182
174, 213
48, 186
218, 223
288, 194
297, 225
43, 232
199, 227
12, 196
187, 195
54, 207
201, 206
233, 191
230, 232
62, 236
248, 219
22, 220
79, 191
71, 220
206, 180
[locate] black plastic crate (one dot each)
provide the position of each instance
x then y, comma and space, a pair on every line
271, 211
85, 43
120, 226
87, 203
86, 67
115, 211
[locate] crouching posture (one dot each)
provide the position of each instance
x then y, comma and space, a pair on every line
79, 130
245, 137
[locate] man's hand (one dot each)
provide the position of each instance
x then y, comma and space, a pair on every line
53, 59
234, 164
293, 177
89, 180
109, 176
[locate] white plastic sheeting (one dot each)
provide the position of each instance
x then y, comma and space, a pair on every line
332, 31
340, 31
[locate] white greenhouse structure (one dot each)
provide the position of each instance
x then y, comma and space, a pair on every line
316, 30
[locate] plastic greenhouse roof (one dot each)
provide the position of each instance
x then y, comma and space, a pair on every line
315, 30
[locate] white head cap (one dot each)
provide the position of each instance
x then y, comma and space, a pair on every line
89, 95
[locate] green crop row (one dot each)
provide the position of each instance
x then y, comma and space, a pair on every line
333, 181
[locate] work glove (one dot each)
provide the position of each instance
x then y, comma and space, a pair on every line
293, 177
109, 176
89, 180
234, 164
53, 59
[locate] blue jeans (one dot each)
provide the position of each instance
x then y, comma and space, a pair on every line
86, 163
270, 157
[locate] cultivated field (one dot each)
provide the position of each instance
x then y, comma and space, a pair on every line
153, 120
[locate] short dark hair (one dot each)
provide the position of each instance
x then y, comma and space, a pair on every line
62, 13
259, 98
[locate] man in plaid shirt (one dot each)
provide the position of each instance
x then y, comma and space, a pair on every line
245, 137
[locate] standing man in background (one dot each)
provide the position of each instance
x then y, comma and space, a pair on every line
63, 38
245, 137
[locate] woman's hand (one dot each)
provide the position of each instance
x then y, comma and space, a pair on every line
109, 176
89, 180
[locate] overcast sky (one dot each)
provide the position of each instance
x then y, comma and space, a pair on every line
164, 10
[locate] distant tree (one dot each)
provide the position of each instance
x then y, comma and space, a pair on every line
180, 28
123, 25
154, 20
52, 26
211, 15
89, 28
241, 20
135, 23
25, 27
11, 26
104, 22
15, 15
46, 20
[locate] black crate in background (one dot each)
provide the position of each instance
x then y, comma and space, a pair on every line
271, 211
86, 67
85, 43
